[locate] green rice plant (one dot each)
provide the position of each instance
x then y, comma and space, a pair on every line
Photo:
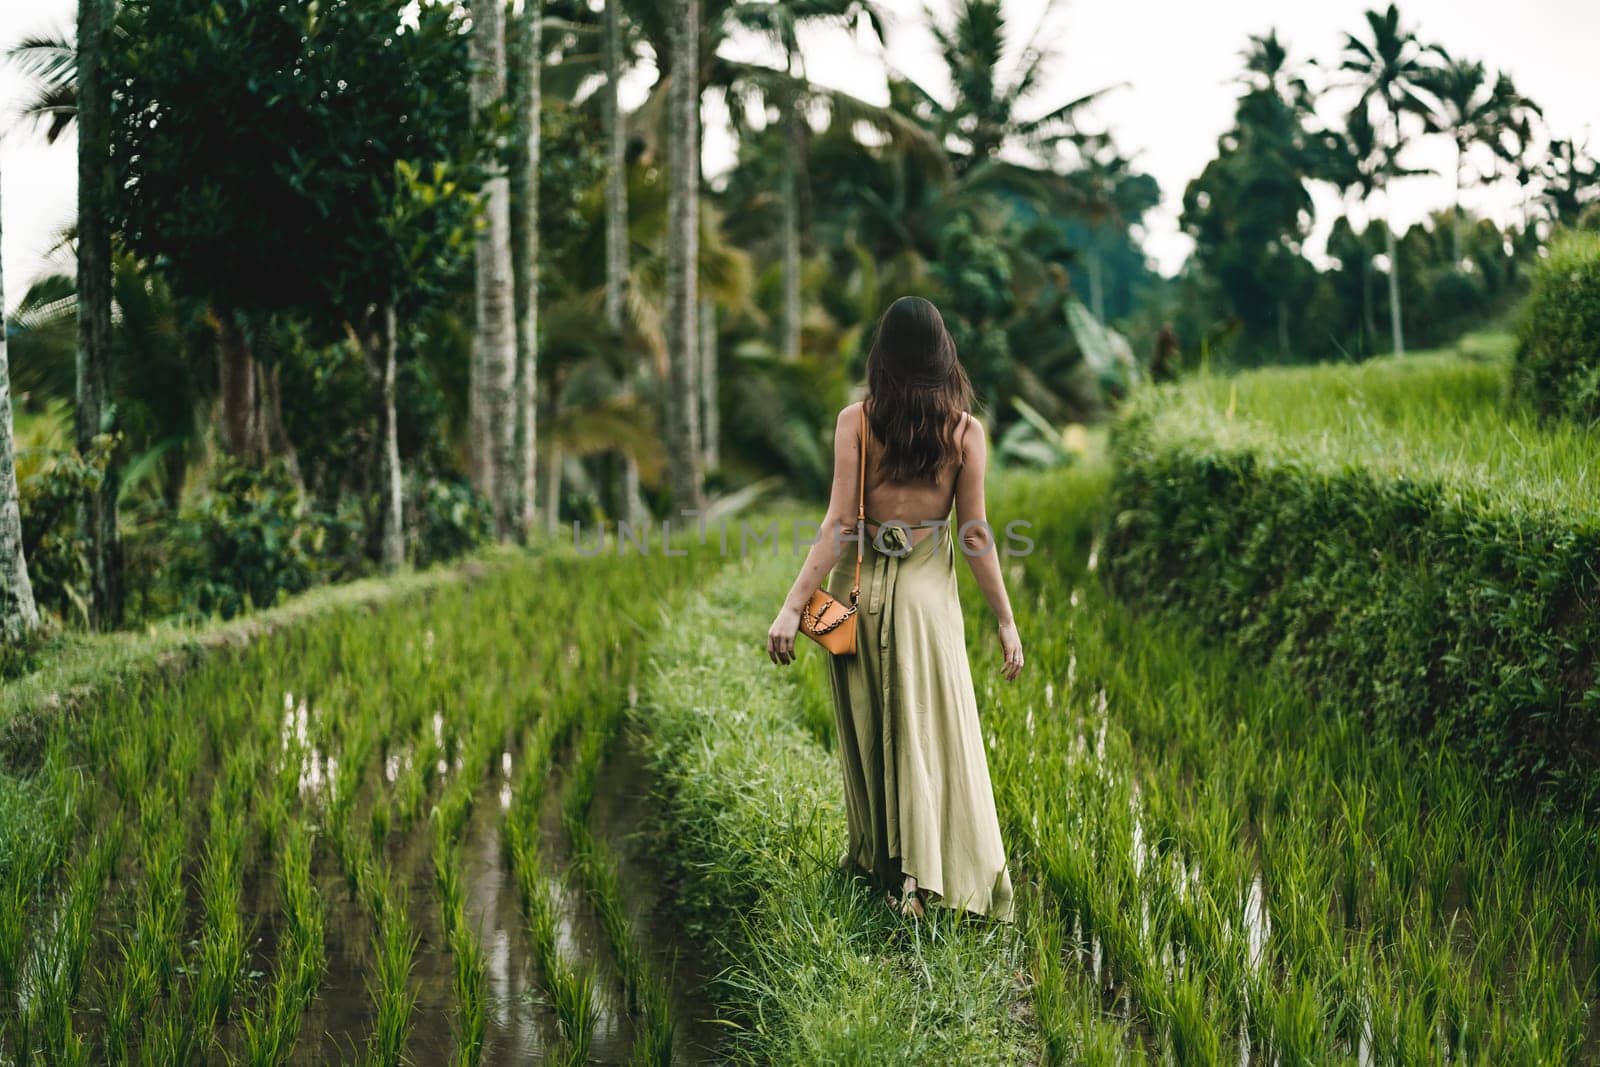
394, 950
572, 996
470, 976
644, 989
471, 998
47, 992
656, 1029
271, 1029
1407, 909
221, 953
148, 956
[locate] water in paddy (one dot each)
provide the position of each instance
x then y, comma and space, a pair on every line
521, 1025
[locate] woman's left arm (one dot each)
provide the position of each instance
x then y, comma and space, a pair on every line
824, 551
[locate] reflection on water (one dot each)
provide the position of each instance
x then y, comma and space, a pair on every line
318, 773
521, 1025
1181, 877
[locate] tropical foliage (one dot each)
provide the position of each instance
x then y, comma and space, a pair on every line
306, 256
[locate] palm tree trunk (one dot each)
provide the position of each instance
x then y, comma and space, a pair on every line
527, 374
616, 172
790, 196
491, 407
552, 484
617, 231
97, 516
391, 527
708, 382
683, 240
1455, 218
1097, 288
1391, 247
19, 615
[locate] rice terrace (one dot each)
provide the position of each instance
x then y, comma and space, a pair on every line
412, 413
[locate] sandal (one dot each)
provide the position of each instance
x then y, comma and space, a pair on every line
909, 905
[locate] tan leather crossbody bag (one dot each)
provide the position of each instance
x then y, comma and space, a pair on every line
829, 622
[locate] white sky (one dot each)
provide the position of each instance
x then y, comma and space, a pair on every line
1180, 60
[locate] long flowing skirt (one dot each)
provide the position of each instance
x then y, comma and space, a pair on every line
917, 793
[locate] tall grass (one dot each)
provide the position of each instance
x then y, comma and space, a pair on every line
1432, 417
1250, 874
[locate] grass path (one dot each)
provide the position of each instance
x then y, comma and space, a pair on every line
817, 969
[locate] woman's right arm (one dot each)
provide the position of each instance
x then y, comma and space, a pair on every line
825, 550
978, 542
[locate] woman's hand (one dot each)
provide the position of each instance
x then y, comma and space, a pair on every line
1011, 647
780, 637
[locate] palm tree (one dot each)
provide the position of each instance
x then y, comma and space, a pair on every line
1393, 65
1468, 108
789, 93
493, 378
782, 22
19, 616
1570, 177
95, 409
986, 112
616, 134
683, 243
1516, 146
52, 64
1354, 169
391, 524
1111, 191
531, 52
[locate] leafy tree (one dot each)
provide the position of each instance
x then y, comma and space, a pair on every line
1571, 180
231, 118
1249, 211
52, 65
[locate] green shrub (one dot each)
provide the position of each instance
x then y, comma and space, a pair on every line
1558, 352
1408, 557
251, 540
51, 485
447, 519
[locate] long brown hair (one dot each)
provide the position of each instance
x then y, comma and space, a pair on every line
916, 392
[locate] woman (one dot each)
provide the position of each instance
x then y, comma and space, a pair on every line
917, 794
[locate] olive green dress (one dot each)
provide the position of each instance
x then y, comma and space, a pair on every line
917, 792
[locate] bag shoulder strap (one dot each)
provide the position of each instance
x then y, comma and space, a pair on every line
861, 508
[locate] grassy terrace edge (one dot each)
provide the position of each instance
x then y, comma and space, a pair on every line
1396, 536
815, 968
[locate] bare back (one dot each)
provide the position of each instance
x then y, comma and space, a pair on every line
912, 502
